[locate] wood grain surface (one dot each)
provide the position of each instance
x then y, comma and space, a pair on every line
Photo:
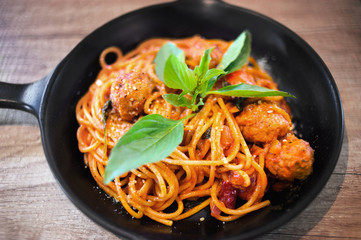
36, 35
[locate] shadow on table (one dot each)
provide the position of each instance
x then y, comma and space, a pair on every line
17, 117
314, 213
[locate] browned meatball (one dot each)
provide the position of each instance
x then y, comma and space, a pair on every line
263, 122
129, 92
290, 158
195, 51
116, 127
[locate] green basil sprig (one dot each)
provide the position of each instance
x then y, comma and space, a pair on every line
198, 83
163, 55
237, 54
150, 139
177, 75
105, 114
248, 90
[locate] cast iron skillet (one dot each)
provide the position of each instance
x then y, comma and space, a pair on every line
317, 111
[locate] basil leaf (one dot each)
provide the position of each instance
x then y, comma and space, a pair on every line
105, 111
207, 133
177, 75
203, 67
105, 114
248, 90
151, 139
209, 85
212, 73
162, 56
209, 79
178, 100
237, 54
239, 102
205, 74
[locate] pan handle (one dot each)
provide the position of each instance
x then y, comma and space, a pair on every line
25, 97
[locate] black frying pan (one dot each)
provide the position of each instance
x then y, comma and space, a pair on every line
317, 111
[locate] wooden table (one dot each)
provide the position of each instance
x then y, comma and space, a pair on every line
36, 35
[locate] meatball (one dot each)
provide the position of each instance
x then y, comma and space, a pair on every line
116, 127
284, 105
290, 158
129, 92
195, 51
263, 122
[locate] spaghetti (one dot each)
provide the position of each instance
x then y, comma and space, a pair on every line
220, 160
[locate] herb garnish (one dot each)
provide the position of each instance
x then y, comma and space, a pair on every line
105, 113
197, 83
153, 137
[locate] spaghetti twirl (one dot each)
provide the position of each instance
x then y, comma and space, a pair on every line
221, 158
